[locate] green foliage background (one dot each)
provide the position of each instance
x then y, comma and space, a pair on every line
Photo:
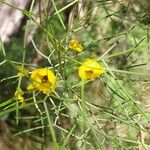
110, 112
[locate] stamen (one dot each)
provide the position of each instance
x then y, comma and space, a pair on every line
44, 79
89, 73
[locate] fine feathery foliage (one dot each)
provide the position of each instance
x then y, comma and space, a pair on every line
82, 80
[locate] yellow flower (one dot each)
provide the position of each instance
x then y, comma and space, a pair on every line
43, 80
19, 96
90, 69
73, 44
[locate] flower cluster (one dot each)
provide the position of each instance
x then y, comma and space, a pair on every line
44, 79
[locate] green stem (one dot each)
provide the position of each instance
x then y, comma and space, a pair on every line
50, 127
83, 108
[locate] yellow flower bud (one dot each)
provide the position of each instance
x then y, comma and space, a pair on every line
22, 71
73, 44
30, 87
19, 96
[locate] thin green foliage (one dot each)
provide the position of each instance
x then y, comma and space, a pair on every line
108, 110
